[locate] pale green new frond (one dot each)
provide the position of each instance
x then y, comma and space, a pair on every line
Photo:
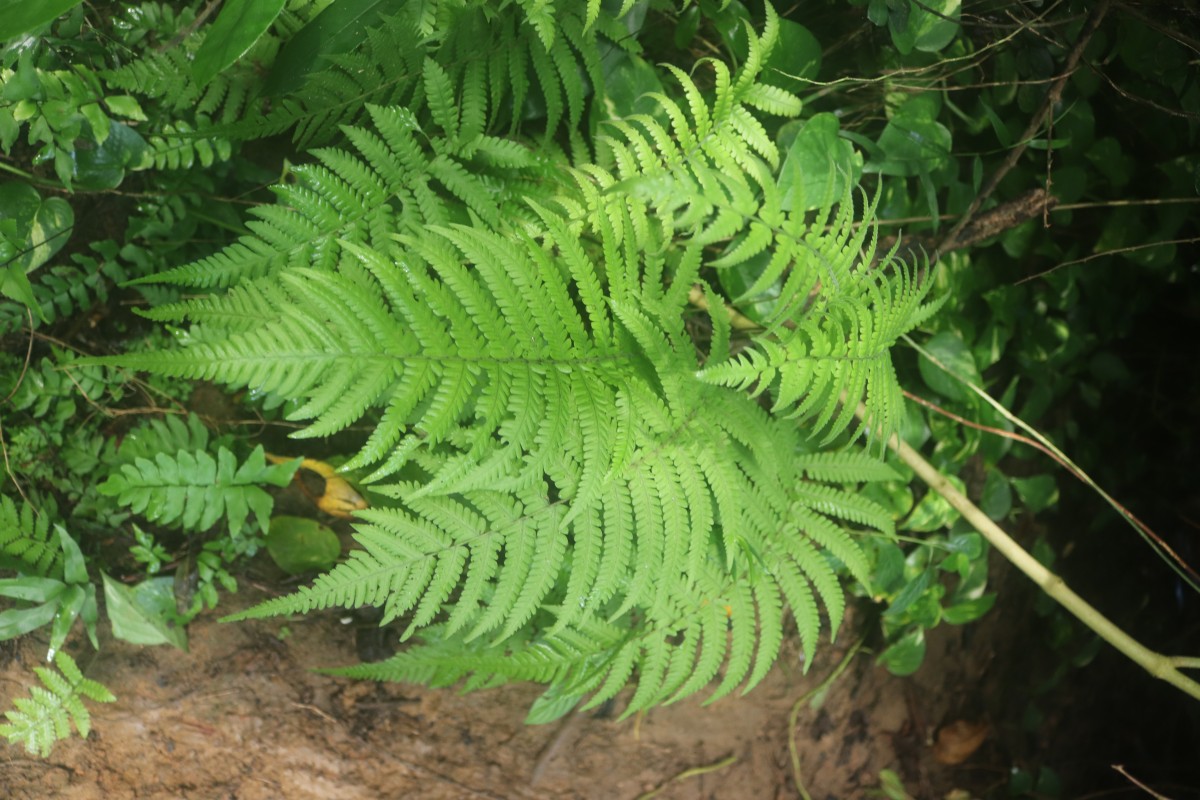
47, 714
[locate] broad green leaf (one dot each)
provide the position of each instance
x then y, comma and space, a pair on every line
22, 16
933, 512
969, 610
74, 566
299, 545
628, 82
909, 595
796, 59
41, 225
928, 26
337, 29
31, 589
235, 30
104, 166
912, 145
1037, 493
819, 165
950, 350
905, 656
69, 606
996, 501
32, 230
141, 614
20, 621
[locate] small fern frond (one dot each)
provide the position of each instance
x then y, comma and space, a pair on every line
27, 542
194, 490
47, 714
167, 435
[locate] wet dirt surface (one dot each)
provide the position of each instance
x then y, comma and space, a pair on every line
243, 716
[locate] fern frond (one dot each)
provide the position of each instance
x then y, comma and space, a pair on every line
194, 490
47, 714
584, 497
392, 185
167, 435
27, 542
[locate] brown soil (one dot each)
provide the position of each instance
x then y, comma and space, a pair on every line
243, 716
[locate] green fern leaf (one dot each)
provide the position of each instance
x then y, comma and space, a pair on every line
193, 490
46, 715
27, 542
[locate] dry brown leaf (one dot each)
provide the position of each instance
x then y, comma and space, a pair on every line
339, 499
958, 740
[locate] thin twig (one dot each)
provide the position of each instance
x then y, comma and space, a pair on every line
1121, 769
1035, 124
1113, 252
187, 30
794, 714
553, 746
691, 773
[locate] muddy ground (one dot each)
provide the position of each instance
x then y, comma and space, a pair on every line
242, 715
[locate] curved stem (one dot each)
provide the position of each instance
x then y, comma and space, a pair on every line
1157, 664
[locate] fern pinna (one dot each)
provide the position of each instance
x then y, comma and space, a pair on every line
582, 495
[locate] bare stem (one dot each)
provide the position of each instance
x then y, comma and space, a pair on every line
1157, 664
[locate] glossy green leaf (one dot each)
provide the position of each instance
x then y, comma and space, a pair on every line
933, 512
70, 604
1037, 493
337, 29
996, 501
953, 354
299, 545
141, 614
913, 145
31, 589
904, 657
104, 166
819, 165
22, 16
969, 610
796, 59
20, 621
909, 595
235, 30
628, 82
44, 224
928, 26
